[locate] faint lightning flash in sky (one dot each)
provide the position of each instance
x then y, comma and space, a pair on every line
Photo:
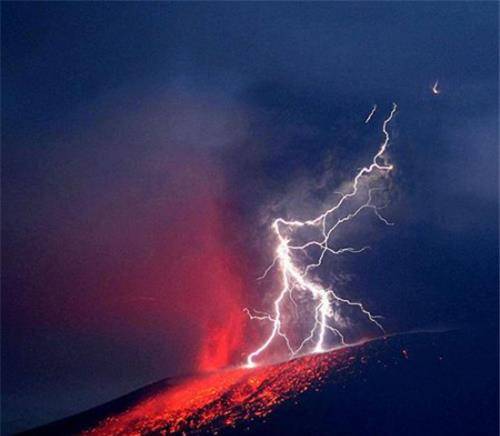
435, 89
370, 115
296, 277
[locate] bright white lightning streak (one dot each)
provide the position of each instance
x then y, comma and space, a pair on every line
435, 89
295, 277
370, 115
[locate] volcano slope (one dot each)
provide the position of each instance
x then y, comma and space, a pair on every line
419, 383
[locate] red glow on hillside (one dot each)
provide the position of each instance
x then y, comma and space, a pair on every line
216, 400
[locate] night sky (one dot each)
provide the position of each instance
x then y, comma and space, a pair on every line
147, 147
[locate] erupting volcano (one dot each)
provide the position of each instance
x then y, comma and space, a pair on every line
406, 384
312, 391
373, 386
250, 218
234, 398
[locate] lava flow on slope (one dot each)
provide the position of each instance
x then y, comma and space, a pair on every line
413, 384
223, 399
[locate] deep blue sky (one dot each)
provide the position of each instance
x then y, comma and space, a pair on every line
100, 99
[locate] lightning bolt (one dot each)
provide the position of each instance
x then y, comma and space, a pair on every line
435, 89
296, 277
370, 115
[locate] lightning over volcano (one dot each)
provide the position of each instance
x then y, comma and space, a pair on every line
250, 218
297, 275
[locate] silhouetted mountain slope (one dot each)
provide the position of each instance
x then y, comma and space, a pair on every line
420, 383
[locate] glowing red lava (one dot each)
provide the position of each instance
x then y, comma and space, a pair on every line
221, 399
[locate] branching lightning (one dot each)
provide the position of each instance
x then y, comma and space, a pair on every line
296, 277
